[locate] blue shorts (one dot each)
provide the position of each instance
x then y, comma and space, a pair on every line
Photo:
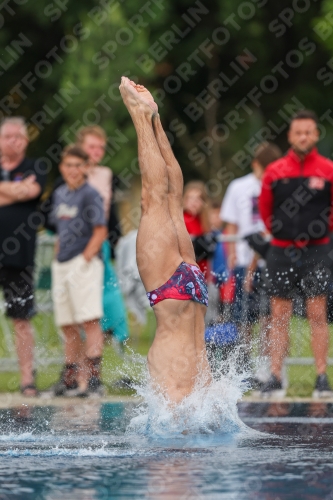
249, 307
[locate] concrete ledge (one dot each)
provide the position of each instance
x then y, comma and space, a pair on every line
259, 399
14, 400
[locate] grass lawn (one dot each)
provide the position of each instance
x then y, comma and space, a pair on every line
302, 378
48, 344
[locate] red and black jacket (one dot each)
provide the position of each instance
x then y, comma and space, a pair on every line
296, 199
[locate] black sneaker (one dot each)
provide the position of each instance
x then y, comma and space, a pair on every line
253, 383
67, 385
272, 388
95, 387
322, 388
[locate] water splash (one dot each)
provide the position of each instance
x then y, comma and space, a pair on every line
12, 436
100, 452
208, 410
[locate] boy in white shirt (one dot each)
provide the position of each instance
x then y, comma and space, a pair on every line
240, 213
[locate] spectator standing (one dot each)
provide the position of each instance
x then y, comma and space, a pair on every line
92, 139
22, 181
240, 213
215, 223
77, 273
296, 207
196, 219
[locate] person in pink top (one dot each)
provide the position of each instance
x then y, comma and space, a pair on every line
92, 140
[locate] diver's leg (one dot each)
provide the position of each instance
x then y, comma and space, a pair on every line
175, 192
175, 201
157, 244
172, 359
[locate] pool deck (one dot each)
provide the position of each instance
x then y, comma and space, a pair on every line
14, 400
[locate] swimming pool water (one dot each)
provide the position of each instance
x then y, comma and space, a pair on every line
84, 452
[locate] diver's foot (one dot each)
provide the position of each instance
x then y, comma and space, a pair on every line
146, 96
137, 98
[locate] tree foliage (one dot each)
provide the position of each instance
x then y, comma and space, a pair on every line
227, 74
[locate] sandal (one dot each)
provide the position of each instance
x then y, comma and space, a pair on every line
29, 391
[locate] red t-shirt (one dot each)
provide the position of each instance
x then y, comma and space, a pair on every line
193, 224
194, 228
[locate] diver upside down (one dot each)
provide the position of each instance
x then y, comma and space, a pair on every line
175, 286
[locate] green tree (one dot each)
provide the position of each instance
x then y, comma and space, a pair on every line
36, 38
220, 70
109, 50
227, 74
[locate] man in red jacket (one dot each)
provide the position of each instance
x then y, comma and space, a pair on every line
296, 206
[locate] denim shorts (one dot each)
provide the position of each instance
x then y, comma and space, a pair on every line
249, 307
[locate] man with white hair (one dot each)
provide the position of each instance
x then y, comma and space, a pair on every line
21, 184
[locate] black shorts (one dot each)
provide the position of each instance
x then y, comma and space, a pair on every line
18, 291
298, 271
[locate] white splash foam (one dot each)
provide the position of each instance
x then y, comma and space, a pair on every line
207, 410
66, 452
24, 436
